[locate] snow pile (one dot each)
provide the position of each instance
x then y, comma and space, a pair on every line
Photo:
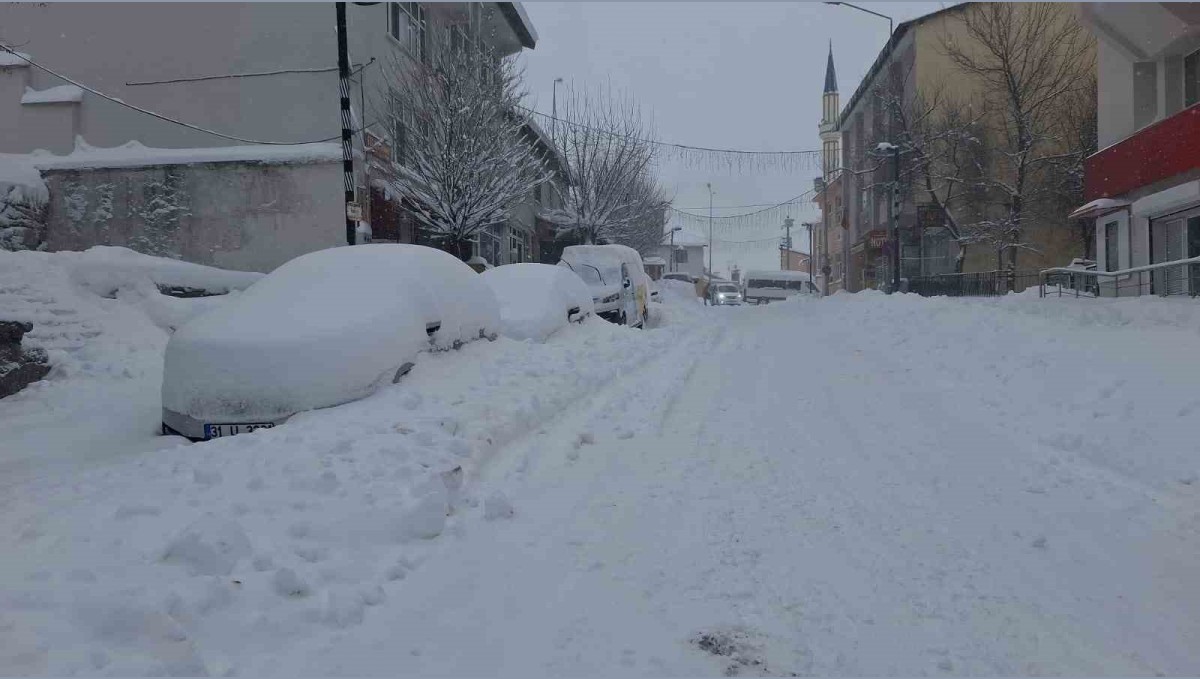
136, 154
23, 199
106, 269
62, 94
323, 329
224, 556
534, 299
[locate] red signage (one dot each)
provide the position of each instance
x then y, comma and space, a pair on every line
1167, 148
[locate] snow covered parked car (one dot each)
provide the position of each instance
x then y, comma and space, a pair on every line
536, 300
619, 284
323, 329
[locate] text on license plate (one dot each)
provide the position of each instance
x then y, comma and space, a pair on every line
214, 431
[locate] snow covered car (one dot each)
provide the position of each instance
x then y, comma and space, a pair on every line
620, 287
325, 328
772, 286
536, 300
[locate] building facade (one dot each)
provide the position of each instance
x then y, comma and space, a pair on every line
684, 253
1143, 186
240, 74
914, 66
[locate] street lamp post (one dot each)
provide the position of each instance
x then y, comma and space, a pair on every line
710, 227
554, 113
891, 23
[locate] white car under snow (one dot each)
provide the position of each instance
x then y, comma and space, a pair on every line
323, 329
536, 300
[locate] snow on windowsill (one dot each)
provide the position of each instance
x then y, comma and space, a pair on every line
63, 94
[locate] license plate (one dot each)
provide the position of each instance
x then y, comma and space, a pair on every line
216, 431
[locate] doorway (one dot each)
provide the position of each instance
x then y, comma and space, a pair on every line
1173, 238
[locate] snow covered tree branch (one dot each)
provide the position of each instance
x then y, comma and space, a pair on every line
460, 156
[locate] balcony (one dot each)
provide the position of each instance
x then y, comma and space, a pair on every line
1163, 150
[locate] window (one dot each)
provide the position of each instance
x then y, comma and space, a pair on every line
402, 125
518, 246
681, 256
406, 23
1191, 79
1111, 262
1145, 93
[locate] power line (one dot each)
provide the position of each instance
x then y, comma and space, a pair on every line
160, 116
258, 74
748, 214
685, 147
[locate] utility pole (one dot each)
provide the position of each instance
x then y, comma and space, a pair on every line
347, 131
811, 251
785, 251
895, 223
710, 227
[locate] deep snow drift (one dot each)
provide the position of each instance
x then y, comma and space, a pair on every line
861, 485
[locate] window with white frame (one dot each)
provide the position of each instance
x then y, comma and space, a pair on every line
1111, 260
402, 126
407, 25
1191, 79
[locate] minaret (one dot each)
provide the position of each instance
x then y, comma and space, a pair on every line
829, 118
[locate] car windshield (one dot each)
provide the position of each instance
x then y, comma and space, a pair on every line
727, 288
588, 273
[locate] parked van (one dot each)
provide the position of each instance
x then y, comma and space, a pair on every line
771, 286
620, 287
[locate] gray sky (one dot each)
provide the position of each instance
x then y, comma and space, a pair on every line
745, 75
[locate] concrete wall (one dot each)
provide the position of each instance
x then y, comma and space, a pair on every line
243, 216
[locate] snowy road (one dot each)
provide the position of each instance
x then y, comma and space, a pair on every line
796, 499
853, 486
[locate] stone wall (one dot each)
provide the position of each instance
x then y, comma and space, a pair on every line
248, 216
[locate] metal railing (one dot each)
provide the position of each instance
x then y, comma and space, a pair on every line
980, 284
1179, 277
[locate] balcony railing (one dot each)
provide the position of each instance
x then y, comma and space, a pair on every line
1179, 277
1167, 148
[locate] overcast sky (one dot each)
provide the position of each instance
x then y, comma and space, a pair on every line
717, 74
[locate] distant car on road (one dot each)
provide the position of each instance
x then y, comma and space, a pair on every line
324, 329
536, 300
772, 286
674, 276
724, 293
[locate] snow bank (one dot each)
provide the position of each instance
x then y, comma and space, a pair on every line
61, 94
534, 299
105, 269
339, 506
323, 329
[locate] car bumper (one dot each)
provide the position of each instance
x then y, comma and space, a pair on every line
191, 428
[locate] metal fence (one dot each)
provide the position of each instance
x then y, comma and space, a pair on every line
1180, 277
981, 284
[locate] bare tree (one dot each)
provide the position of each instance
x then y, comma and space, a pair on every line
1027, 59
603, 141
644, 217
461, 160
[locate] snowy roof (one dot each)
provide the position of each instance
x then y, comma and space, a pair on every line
686, 238
654, 261
63, 94
1098, 208
134, 154
13, 59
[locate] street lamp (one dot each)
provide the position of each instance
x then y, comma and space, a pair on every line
891, 24
673, 230
554, 113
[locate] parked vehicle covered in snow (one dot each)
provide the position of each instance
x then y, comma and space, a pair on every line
771, 286
536, 300
323, 329
619, 284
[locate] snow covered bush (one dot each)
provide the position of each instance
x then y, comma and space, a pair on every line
23, 206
